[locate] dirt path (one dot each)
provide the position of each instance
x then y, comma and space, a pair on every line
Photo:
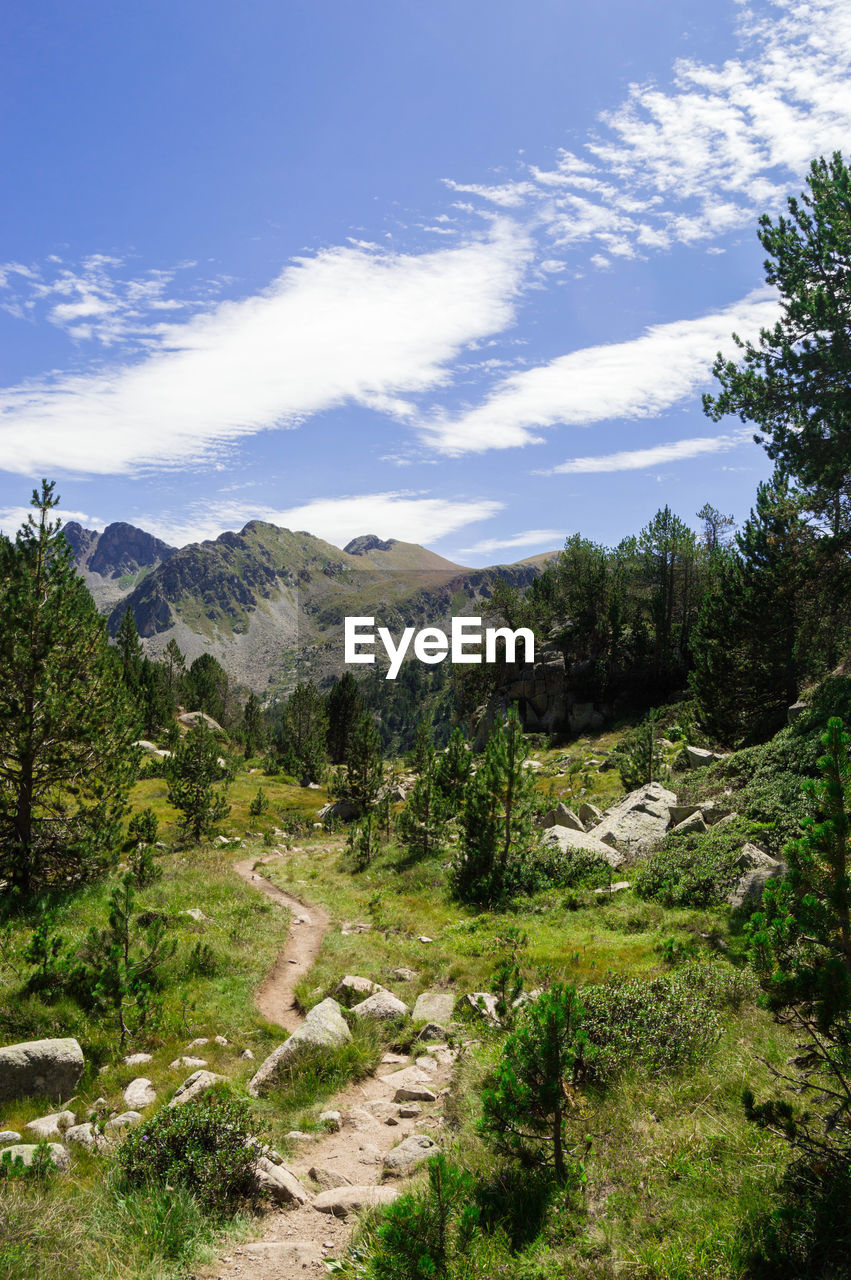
296, 1242
308, 924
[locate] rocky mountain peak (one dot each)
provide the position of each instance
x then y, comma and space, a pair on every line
368, 542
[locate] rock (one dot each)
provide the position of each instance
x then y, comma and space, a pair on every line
561, 816
757, 867
189, 718
342, 810
196, 914
87, 1136
361, 1120
434, 1006
352, 988
25, 1152
328, 1179
51, 1128
220, 1041
797, 709
247, 1055
695, 822
589, 814
198, 1042
383, 1006
386, 1112
137, 1059
140, 1093
324, 1027
699, 757
197, 1083
617, 887
8, 1137
410, 1153
120, 1124
409, 1110
568, 839
638, 822
297, 1135
40, 1069
483, 1003
534, 765
278, 1182
425, 940
414, 1093
404, 975
721, 822
332, 1120
341, 1201
186, 1064
679, 812
433, 1031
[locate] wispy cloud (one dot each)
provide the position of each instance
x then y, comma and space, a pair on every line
638, 459
636, 379
515, 542
403, 514
349, 325
12, 518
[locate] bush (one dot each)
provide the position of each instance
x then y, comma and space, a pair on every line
424, 1231
697, 869
203, 1145
143, 827
143, 869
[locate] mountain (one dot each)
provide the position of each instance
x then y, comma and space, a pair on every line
269, 603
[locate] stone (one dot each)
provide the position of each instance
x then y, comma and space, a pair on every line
189, 718
410, 1110
198, 1042
589, 814
414, 1093
220, 1041
85, 1135
722, 822
679, 812
25, 1152
196, 914
51, 1128
382, 1006
40, 1069
186, 1064
119, 1124
561, 816
694, 823
198, 1082
638, 822
140, 1093
699, 757
328, 1179
279, 1183
483, 1003
324, 1027
404, 975
342, 1201
411, 1152
361, 1120
424, 939
342, 810
380, 1109
395, 1059
137, 1059
352, 988
585, 842
797, 709
297, 1135
332, 1120
247, 1055
757, 868
434, 1006
433, 1031
617, 887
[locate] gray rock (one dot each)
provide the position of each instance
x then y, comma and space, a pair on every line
328, 1179
119, 1125
586, 842
51, 1128
618, 886
342, 1201
797, 709
352, 988
198, 1082
589, 814
434, 1006
26, 1151
87, 1136
247, 1055
137, 1059
40, 1069
757, 868
409, 1110
189, 718
324, 1027
332, 1120
140, 1093
679, 812
185, 1064
638, 822
414, 1093
411, 1152
342, 810
8, 1137
433, 1031
198, 1042
695, 822
382, 1006
699, 757
483, 1003
279, 1183
561, 816
196, 914
404, 975
220, 1040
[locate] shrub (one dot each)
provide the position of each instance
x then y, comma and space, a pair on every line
143, 827
204, 1145
39, 1170
259, 804
143, 869
424, 1231
694, 870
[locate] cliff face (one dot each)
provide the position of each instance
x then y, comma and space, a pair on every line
112, 562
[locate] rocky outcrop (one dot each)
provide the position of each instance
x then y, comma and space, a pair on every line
638, 822
757, 867
561, 816
40, 1069
566, 839
324, 1027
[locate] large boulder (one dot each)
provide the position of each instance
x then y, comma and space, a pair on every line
191, 718
324, 1028
198, 1082
561, 816
381, 1006
638, 822
25, 1152
342, 810
51, 1128
40, 1069
140, 1093
586, 841
279, 1183
411, 1152
757, 867
434, 1006
352, 988
341, 1201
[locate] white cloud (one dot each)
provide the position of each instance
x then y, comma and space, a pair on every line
638, 459
12, 518
402, 514
349, 325
515, 542
636, 379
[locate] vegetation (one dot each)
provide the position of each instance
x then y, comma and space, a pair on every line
194, 770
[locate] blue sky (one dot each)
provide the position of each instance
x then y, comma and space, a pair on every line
450, 272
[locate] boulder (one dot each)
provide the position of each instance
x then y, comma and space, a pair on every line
51, 1128
796, 710
328, 1179
324, 1027
414, 1093
137, 1059
186, 1064
85, 1135
757, 868
411, 1152
638, 822
699, 757
679, 812
404, 975
119, 1125
694, 822
434, 1006
352, 988
432, 1031
382, 1006
25, 1152
561, 816
342, 810
341, 1201
278, 1182
198, 1082
483, 1003
40, 1069
332, 1120
190, 718
8, 1137
140, 1093
587, 842
589, 814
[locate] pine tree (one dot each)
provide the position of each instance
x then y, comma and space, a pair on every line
361, 779
253, 726
345, 708
641, 759
800, 945
207, 687
452, 772
497, 821
174, 668
303, 732
66, 724
422, 824
130, 647
193, 772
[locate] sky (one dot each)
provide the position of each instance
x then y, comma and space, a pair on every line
454, 273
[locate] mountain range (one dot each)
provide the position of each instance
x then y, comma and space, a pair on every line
269, 603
